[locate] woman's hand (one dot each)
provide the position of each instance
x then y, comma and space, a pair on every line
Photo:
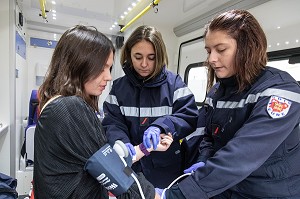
157, 196
163, 145
165, 142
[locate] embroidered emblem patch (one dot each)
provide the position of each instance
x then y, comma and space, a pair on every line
278, 107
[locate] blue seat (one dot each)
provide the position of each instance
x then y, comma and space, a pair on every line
27, 151
33, 108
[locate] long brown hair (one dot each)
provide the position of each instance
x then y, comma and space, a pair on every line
251, 55
79, 56
152, 35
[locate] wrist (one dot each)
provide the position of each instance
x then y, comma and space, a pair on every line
144, 149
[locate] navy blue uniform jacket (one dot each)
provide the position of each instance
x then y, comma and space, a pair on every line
164, 101
251, 141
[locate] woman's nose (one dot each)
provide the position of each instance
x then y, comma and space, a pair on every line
212, 58
144, 62
108, 76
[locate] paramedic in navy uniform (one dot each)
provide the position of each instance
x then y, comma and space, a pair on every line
251, 145
148, 101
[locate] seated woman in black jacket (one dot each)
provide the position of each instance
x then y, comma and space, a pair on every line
69, 130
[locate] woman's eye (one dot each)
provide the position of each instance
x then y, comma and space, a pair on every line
151, 57
221, 50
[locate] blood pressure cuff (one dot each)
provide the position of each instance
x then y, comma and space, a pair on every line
107, 167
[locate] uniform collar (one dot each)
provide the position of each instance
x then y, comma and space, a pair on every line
228, 85
136, 79
228, 82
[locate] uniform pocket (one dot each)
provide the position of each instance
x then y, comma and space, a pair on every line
277, 168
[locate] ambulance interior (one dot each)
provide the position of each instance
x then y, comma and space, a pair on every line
36, 28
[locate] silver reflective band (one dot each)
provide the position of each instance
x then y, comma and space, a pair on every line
199, 131
112, 99
209, 101
289, 95
181, 92
252, 98
149, 111
146, 112
142, 112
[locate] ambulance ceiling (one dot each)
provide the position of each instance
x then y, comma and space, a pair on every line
182, 16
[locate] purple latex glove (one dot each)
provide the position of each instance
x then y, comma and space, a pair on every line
151, 134
159, 192
194, 167
131, 149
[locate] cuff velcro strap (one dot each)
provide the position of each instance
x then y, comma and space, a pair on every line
144, 150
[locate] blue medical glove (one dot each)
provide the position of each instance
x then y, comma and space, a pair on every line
194, 167
131, 149
151, 134
159, 192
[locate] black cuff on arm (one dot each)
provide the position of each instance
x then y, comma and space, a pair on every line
201, 158
162, 130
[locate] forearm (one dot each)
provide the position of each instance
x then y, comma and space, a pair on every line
164, 144
139, 153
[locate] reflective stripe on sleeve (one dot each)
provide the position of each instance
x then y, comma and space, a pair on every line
199, 131
112, 99
253, 98
181, 92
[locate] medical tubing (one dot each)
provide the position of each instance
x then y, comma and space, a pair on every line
139, 185
172, 183
135, 179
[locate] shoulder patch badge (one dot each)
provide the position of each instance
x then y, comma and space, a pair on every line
278, 107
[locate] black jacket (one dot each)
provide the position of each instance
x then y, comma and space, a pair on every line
68, 133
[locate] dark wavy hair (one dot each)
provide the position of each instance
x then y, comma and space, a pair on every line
79, 56
152, 35
251, 54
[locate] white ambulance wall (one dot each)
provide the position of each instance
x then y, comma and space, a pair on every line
38, 57
170, 40
5, 113
283, 14
21, 97
191, 52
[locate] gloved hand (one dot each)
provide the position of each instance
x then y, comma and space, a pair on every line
151, 134
159, 192
194, 167
131, 149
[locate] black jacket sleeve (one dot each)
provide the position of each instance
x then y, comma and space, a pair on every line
133, 192
174, 193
